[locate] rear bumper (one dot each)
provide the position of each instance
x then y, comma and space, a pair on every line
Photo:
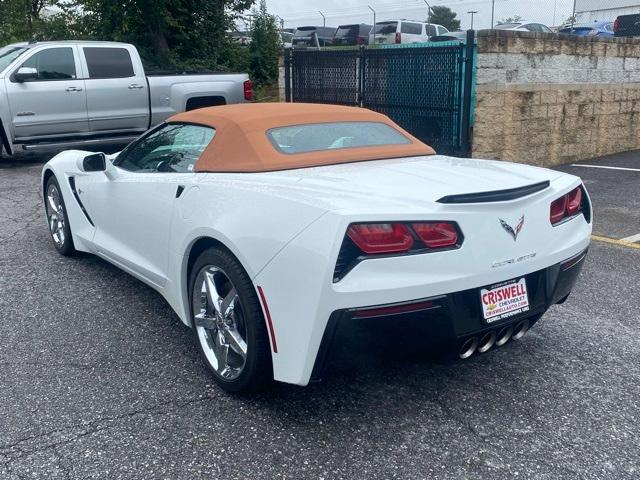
445, 322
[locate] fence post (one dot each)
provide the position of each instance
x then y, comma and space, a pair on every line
360, 96
466, 98
287, 74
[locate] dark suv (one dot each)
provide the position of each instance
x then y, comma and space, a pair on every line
354, 34
627, 26
313, 36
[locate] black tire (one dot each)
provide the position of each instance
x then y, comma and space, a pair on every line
257, 371
64, 247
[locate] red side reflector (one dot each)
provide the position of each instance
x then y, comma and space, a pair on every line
392, 310
574, 202
558, 208
437, 235
381, 237
272, 333
248, 94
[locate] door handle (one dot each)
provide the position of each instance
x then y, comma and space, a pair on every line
135, 86
74, 89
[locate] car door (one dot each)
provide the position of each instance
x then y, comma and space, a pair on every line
131, 204
52, 103
117, 89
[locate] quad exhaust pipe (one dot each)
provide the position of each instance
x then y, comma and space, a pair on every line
498, 337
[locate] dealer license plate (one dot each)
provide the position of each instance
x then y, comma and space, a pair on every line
505, 300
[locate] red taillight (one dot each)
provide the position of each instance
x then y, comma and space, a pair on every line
574, 201
566, 206
437, 235
247, 90
616, 25
398, 37
381, 237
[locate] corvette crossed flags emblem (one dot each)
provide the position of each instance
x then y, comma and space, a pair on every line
514, 232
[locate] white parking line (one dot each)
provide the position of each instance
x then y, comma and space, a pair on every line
632, 238
606, 168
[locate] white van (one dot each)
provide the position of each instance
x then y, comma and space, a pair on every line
404, 31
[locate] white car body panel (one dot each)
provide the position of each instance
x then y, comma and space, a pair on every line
286, 228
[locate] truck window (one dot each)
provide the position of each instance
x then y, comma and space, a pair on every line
108, 62
53, 64
411, 28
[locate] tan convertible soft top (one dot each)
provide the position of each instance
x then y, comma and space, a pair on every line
241, 143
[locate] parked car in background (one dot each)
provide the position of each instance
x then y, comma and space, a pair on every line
453, 36
595, 29
354, 34
287, 39
67, 93
627, 26
404, 31
524, 27
311, 36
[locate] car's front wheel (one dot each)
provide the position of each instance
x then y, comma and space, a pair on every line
228, 324
57, 218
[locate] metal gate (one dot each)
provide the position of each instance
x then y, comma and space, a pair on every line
426, 89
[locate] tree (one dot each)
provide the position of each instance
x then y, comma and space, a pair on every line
265, 46
514, 19
444, 16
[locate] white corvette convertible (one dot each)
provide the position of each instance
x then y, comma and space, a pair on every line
266, 226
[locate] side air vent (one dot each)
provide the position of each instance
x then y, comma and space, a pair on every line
72, 184
495, 195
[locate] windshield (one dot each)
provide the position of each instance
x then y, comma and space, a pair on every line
8, 54
385, 28
330, 136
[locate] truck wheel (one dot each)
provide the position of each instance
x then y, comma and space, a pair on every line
228, 324
58, 219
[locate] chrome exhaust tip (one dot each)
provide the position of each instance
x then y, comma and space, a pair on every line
504, 335
520, 329
468, 348
487, 341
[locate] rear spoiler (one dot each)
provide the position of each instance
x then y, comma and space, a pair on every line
495, 195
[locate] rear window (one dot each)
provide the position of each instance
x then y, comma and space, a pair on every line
412, 28
385, 28
304, 31
347, 31
330, 136
104, 62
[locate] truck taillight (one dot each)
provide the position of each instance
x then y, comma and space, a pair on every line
248, 95
398, 37
567, 206
616, 25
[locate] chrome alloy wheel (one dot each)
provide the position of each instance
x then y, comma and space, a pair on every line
219, 322
55, 215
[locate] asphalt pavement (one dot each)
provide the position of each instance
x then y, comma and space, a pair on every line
99, 378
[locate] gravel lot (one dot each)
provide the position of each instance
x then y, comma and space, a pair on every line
99, 379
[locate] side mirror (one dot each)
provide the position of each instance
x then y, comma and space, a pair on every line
96, 162
24, 74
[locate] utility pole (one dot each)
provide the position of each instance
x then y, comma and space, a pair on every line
374, 23
324, 20
428, 12
472, 12
493, 9
573, 15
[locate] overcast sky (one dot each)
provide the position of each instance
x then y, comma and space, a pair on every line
305, 12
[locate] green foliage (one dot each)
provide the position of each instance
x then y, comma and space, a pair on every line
446, 17
514, 19
169, 34
265, 46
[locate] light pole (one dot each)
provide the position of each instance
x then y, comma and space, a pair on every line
374, 23
573, 15
472, 12
324, 20
493, 8
428, 12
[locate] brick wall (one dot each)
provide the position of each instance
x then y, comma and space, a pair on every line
549, 99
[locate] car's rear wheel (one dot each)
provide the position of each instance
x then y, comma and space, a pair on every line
58, 219
228, 324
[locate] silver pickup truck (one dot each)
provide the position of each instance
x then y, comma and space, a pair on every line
60, 94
